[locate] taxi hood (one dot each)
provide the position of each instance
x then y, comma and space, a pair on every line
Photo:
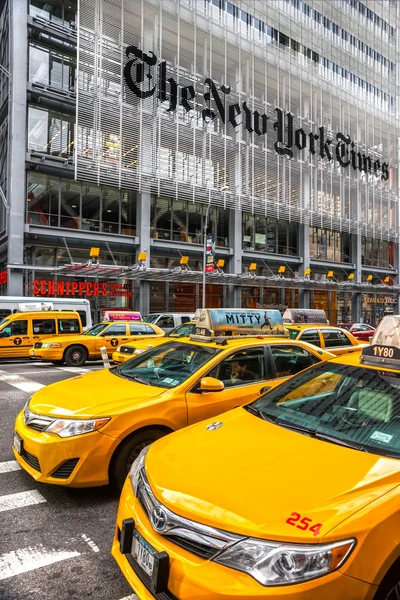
99, 393
248, 476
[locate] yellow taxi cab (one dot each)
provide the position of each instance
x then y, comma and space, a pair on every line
293, 497
76, 350
126, 351
88, 430
333, 339
21, 330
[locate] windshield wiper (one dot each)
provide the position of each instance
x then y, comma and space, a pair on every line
339, 441
258, 413
136, 378
298, 428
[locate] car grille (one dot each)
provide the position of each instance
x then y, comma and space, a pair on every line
38, 345
32, 461
127, 349
65, 470
145, 579
38, 426
202, 540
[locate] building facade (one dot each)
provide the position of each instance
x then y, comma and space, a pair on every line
137, 126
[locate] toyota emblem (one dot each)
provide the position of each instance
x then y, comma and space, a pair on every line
158, 519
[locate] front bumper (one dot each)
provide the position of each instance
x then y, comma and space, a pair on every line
193, 578
46, 354
46, 456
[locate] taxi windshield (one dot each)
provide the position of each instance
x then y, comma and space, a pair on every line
96, 329
166, 366
350, 406
4, 322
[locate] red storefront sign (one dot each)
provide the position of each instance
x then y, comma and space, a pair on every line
3, 277
45, 287
209, 268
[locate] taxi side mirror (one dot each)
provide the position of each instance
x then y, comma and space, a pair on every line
211, 384
1, 334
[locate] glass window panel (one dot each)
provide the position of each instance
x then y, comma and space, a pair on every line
223, 227
128, 213
313, 242
330, 245
110, 210
195, 223
179, 221
345, 241
271, 235
51, 10
91, 207
260, 233
70, 204
163, 218
42, 199
282, 237
38, 65
248, 231
50, 132
293, 249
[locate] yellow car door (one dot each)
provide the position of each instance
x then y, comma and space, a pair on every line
15, 339
114, 335
244, 375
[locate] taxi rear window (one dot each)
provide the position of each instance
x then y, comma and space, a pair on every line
351, 406
293, 334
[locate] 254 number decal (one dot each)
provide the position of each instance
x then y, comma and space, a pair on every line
304, 523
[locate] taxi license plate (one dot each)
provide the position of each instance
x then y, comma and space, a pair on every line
143, 554
17, 443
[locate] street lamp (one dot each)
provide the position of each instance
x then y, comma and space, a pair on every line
203, 304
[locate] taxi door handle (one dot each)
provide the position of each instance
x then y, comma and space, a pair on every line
35, 337
124, 339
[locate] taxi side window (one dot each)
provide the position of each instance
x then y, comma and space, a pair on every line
166, 321
42, 326
312, 337
241, 368
140, 329
15, 328
289, 360
119, 329
66, 326
335, 338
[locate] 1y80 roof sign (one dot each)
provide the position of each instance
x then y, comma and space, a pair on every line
228, 323
385, 345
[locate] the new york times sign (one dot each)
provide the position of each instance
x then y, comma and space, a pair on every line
146, 76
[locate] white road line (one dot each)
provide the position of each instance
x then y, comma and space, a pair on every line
131, 597
79, 369
90, 543
27, 559
8, 466
20, 500
22, 383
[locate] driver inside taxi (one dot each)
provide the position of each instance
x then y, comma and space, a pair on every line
239, 372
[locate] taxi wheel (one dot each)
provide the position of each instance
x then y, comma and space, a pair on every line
128, 453
76, 356
390, 587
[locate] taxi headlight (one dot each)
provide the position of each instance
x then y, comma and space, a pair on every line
118, 349
68, 427
51, 345
136, 467
273, 563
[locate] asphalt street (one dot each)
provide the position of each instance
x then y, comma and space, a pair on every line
54, 542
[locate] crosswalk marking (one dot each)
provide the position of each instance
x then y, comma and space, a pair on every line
20, 500
21, 383
8, 466
27, 559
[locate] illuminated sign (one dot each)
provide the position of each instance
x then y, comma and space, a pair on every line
3, 277
144, 74
45, 287
383, 300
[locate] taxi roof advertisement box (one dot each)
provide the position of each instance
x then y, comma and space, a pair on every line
240, 322
119, 315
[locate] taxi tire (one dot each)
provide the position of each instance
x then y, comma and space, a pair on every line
123, 458
70, 352
390, 586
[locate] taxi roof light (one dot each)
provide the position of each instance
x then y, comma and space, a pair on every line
385, 344
221, 325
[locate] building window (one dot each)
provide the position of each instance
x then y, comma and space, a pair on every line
62, 12
51, 68
329, 245
377, 253
50, 132
270, 235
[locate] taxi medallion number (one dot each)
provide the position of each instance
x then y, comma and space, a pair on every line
142, 554
17, 443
